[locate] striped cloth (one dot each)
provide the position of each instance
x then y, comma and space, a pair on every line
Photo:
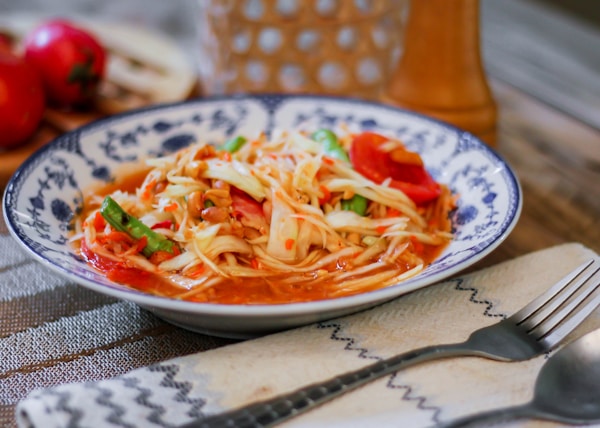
53, 331
57, 333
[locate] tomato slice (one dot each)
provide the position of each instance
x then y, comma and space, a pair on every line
377, 165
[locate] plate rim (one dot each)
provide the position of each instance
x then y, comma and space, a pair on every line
266, 310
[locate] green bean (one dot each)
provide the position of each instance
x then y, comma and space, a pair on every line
123, 222
234, 144
356, 203
334, 149
331, 144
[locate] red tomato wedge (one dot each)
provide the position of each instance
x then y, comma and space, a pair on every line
377, 165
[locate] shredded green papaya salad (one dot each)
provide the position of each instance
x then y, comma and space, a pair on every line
298, 216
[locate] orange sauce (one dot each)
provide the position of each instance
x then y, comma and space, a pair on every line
128, 182
261, 290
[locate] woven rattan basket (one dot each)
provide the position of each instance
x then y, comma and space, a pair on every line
339, 47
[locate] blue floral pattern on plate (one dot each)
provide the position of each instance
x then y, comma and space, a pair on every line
47, 191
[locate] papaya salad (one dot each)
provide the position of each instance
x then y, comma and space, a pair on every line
291, 217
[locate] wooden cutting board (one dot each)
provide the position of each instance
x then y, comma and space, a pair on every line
143, 68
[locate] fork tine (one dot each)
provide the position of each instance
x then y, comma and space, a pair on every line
558, 325
570, 289
539, 302
557, 335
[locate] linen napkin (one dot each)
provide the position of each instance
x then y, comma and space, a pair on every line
175, 391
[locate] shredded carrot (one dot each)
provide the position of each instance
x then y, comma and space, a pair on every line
172, 207
381, 229
326, 195
226, 156
255, 264
327, 160
198, 271
289, 244
147, 193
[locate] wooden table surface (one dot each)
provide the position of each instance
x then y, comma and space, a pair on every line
557, 161
554, 149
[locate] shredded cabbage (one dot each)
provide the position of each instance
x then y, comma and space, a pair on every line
272, 211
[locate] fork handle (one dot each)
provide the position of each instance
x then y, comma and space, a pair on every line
271, 411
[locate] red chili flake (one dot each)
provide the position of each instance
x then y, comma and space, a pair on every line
171, 207
163, 225
289, 244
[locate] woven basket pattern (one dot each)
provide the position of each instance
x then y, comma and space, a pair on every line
337, 47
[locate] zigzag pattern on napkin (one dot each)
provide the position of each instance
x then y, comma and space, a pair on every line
62, 405
104, 399
363, 353
408, 390
473, 298
482, 298
145, 394
350, 342
117, 411
421, 400
182, 389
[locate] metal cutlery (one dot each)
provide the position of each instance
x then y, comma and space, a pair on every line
537, 328
566, 389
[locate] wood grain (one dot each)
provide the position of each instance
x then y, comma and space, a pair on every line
54, 124
544, 53
557, 161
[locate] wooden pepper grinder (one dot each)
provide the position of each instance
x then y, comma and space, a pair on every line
440, 72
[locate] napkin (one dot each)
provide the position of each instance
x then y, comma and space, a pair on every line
175, 391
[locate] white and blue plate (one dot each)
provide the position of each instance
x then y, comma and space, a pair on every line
46, 192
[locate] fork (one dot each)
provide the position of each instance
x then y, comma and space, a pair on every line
535, 329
